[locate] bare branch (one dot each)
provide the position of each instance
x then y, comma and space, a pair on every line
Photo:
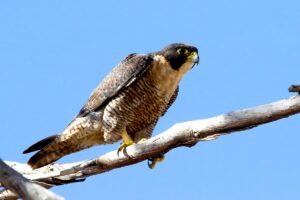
182, 134
21, 186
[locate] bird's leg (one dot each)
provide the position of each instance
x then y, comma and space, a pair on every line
127, 141
294, 88
152, 161
142, 140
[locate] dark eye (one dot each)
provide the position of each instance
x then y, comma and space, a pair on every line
182, 51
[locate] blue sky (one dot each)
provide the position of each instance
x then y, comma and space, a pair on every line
53, 53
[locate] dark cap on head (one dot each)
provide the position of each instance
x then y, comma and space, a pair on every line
179, 53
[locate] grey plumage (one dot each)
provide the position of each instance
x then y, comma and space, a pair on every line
131, 98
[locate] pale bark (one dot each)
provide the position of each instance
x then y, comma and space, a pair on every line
181, 134
18, 186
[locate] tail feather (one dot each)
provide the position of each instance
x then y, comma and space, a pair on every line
40, 144
53, 151
80, 134
61, 147
42, 158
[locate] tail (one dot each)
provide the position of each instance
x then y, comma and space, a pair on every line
48, 149
77, 136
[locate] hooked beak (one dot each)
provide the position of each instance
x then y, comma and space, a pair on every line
194, 57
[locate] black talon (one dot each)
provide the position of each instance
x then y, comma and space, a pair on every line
150, 163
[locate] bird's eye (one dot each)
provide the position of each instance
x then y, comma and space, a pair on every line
182, 51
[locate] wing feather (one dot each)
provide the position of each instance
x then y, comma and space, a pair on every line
122, 76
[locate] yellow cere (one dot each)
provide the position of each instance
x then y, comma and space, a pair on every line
194, 53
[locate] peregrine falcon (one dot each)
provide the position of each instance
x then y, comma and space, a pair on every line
126, 105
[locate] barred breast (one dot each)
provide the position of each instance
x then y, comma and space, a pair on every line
135, 109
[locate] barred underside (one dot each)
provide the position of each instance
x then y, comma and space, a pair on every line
135, 110
82, 133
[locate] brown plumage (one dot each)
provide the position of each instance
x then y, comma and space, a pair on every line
132, 98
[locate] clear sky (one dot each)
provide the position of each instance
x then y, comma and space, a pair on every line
53, 53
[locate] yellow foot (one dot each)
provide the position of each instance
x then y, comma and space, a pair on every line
142, 140
127, 141
152, 161
123, 146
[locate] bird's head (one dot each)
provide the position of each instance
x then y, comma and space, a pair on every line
180, 55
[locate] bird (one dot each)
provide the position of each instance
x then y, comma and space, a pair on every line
126, 105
